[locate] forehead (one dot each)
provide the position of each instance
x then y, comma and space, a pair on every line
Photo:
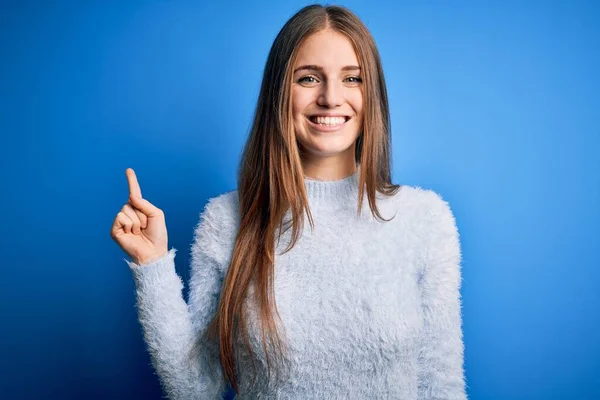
327, 48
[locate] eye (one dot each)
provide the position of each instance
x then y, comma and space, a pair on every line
357, 79
306, 79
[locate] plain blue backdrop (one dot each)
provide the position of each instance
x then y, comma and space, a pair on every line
495, 106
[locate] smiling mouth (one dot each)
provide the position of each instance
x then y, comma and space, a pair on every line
328, 121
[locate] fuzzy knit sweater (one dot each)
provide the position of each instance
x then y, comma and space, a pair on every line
370, 309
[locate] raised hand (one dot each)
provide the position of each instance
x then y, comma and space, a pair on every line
140, 228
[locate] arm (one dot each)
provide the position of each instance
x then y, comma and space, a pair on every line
441, 374
171, 326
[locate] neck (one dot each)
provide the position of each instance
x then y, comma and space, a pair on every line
332, 168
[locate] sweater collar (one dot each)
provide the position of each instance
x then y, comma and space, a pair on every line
338, 189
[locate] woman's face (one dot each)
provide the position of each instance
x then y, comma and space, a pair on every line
327, 99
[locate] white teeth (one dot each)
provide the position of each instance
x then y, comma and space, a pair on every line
330, 120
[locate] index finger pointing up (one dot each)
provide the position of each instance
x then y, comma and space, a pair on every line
134, 186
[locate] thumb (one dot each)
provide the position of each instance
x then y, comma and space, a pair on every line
144, 206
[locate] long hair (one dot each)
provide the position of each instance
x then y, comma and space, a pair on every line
271, 178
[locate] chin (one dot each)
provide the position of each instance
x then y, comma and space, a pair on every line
327, 147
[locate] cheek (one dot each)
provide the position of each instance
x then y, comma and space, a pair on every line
300, 100
356, 101
358, 106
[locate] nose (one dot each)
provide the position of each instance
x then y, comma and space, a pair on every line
331, 95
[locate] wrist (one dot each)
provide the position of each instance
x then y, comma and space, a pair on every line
151, 259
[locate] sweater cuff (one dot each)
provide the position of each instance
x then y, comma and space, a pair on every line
154, 271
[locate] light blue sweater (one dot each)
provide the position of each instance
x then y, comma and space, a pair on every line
372, 310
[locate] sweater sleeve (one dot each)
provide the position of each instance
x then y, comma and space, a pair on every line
171, 326
440, 362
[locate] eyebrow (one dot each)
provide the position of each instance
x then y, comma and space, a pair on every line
319, 68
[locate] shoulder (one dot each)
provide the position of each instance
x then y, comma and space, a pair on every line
216, 230
423, 199
426, 209
224, 207
434, 226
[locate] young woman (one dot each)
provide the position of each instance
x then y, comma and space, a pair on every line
363, 302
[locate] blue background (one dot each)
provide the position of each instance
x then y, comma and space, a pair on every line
495, 106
